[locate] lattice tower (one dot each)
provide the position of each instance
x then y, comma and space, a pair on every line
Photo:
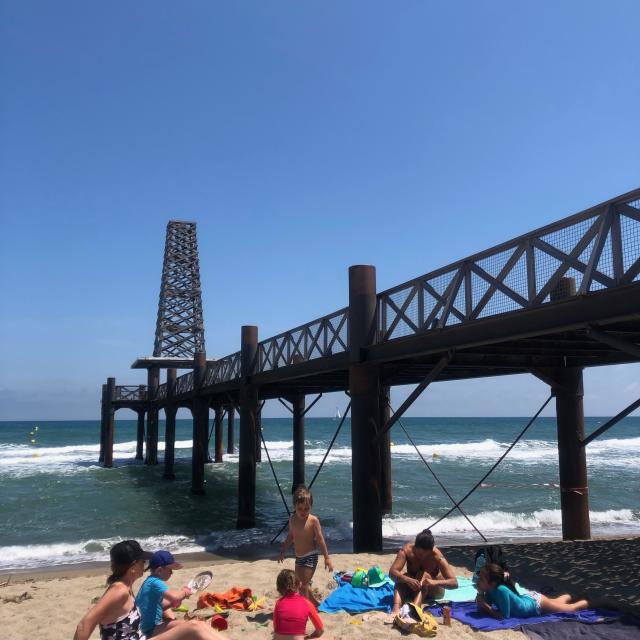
180, 326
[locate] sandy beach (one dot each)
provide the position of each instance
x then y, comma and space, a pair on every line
48, 605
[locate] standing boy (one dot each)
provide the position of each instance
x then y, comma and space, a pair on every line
306, 534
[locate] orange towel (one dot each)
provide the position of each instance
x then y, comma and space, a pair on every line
235, 598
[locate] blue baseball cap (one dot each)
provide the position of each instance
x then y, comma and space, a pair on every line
163, 558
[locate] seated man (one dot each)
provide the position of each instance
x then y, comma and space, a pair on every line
427, 575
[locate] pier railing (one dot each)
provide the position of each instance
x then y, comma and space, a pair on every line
599, 248
317, 339
130, 393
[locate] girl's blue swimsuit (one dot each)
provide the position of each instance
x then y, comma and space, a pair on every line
512, 605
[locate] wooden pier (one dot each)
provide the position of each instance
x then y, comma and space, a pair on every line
548, 303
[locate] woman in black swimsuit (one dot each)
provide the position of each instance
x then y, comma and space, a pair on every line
116, 611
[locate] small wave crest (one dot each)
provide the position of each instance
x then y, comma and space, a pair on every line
545, 522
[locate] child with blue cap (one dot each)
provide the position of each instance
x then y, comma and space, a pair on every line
155, 599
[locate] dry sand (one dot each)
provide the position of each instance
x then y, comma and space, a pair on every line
604, 569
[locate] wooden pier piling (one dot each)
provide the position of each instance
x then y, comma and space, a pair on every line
297, 404
153, 381
231, 414
219, 419
200, 413
170, 412
109, 423
365, 412
248, 430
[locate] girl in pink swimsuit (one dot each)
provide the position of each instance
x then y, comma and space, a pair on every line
292, 611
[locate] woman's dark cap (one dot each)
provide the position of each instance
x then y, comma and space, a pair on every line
128, 552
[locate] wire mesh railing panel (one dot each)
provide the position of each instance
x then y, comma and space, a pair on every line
567, 238
495, 263
337, 332
605, 264
184, 383
459, 304
630, 231
545, 267
130, 392
516, 278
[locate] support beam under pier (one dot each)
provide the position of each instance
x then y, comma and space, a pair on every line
248, 430
109, 423
297, 404
365, 412
231, 414
153, 381
103, 423
219, 420
200, 412
385, 450
572, 459
170, 412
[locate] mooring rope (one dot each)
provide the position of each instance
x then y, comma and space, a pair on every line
335, 435
500, 459
435, 477
275, 477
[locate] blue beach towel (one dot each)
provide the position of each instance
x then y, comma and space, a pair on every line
467, 613
355, 599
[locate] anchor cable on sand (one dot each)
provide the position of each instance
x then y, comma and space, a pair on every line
500, 459
335, 435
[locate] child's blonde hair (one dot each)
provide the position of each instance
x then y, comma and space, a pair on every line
302, 495
287, 582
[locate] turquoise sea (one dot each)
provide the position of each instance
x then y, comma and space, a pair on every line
59, 506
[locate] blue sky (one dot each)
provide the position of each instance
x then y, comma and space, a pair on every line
303, 137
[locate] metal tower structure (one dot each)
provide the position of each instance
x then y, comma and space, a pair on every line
180, 326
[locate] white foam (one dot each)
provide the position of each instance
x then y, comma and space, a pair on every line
21, 460
545, 523
503, 523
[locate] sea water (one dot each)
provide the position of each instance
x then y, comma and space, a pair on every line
59, 506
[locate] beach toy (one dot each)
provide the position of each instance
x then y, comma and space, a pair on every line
359, 578
201, 581
219, 622
376, 577
183, 608
256, 603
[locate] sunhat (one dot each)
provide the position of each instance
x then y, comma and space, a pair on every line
376, 577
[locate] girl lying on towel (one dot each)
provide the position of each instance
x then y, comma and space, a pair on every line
493, 591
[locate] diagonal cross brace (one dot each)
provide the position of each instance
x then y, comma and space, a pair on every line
433, 374
610, 423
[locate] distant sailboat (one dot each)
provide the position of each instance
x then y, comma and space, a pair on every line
337, 416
